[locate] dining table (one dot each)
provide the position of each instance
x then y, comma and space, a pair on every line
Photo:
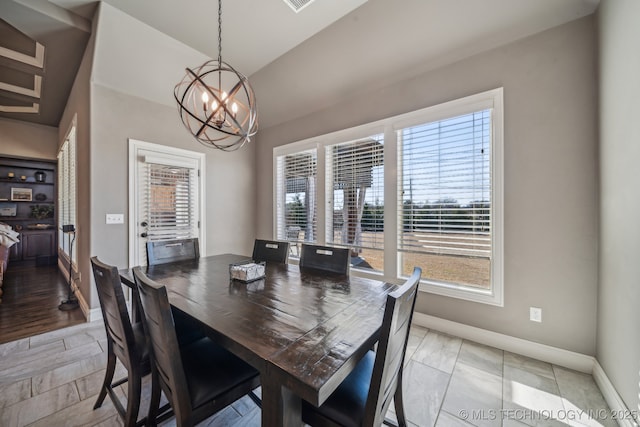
303, 330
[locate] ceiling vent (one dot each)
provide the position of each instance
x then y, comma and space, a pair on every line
298, 5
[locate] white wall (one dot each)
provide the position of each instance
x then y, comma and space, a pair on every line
618, 349
24, 139
550, 96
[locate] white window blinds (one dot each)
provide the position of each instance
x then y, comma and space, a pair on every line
445, 195
67, 189
355, 194
296, 208
170, 202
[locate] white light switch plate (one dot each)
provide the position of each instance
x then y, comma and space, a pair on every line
115, 218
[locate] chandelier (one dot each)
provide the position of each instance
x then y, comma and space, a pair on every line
216, 103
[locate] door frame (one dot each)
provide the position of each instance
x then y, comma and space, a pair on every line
135, 146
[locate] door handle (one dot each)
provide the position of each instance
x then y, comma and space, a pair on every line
144, 235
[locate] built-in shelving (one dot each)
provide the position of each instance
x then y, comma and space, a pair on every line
25, 184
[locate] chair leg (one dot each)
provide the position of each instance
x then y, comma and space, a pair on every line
108, 377
399, 404
154, 403
133, 399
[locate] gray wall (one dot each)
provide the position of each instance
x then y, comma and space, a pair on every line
618, 350
120, 110
23, 139
551, 201
78, 106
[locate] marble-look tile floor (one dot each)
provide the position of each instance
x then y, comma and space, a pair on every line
53, 380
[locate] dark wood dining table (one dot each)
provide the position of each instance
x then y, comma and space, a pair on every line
303, 330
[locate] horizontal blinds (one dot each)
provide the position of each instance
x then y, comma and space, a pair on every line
355, 191
67, 189
297, 198
71, 195
171, 202
62, 191
445, 194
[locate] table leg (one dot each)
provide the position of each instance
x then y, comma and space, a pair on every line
280, 407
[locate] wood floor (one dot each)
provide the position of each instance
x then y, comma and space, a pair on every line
30, 302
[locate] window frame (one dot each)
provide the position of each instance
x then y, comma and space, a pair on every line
492, 99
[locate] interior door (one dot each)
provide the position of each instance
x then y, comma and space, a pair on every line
165, 197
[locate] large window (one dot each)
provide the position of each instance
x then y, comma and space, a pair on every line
445, 199
421, 189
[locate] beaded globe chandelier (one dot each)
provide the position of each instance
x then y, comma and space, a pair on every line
216, 103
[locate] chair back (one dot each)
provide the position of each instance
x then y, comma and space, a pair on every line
325, 258
162, 252
165, 352
387, 368
114, 312
269, 250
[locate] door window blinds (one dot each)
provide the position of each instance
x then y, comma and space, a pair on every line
170, 202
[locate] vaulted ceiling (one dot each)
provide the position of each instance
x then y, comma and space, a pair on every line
42, 41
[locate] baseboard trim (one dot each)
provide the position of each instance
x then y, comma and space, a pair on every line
568, 359
615, 402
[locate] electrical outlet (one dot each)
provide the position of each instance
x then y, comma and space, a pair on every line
115, 218
535, 314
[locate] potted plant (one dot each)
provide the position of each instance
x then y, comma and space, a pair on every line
42, 211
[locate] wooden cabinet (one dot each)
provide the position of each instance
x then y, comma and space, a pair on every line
28, 204
37, 244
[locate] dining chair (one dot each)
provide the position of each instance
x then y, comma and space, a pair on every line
198, 379
125, 342
161, 252
270, 250
363, 398
325, 258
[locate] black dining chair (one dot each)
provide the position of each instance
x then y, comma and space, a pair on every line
125, 342
198, 379
166, 251
162, 252
325, 258
363, 398
270, 250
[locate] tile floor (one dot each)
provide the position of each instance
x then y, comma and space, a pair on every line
53, 379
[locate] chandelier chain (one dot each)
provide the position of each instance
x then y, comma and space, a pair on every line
219, 31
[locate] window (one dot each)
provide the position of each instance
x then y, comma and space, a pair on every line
421, 189
297, 197
445, 199
67, 189
354, 187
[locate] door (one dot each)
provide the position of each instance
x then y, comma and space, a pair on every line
165, 196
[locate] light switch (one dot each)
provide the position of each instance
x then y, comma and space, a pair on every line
115, 218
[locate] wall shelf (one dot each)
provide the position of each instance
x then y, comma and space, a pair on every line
35, 242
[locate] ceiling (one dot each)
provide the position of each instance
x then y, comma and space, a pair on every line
256, 33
